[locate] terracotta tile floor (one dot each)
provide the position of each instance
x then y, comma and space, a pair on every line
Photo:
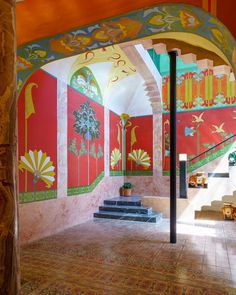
120, 257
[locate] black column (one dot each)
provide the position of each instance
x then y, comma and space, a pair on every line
172, 55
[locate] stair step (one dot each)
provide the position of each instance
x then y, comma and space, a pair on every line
229, 199
217, 205
208, 215
126, 209
124, 201
154, 217
218, 174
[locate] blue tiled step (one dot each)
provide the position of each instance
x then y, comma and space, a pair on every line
154, 217
124, 201
126, 209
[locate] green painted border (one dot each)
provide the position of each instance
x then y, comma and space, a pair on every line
210, 157
30, 197
116, 173
131, 173
170, 17
167, 172
138, 173
71, 191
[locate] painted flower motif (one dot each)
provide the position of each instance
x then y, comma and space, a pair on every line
188, 19
117, 31
22, 63
140, 157
124, 117
157, 20
115, 157
39, 164
70, 43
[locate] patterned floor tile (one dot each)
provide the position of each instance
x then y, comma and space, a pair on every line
126, 258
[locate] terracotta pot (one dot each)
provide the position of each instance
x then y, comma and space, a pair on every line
126, 192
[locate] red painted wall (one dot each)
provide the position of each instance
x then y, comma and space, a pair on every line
144, 139
196, 137
83, 172
41, 125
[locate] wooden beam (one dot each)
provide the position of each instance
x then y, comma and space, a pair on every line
9, 251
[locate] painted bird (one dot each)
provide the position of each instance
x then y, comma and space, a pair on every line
198, 119
218, 129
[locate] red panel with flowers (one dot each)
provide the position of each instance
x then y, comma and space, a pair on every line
37, 133
85, 139
139, 143
197, 131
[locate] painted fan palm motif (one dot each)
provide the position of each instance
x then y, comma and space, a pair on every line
140, 157
39, 164
115, 158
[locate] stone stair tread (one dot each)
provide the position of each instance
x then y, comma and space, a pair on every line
154, 217
154, 214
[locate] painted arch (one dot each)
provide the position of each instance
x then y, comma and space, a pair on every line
131, 26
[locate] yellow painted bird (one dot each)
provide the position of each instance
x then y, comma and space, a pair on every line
198, 119
218, 129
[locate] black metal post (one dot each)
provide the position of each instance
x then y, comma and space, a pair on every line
172, 55
182, 179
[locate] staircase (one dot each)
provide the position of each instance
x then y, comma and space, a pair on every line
213, 210
221, 179
127, 208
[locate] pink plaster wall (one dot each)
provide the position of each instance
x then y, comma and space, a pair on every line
150, 185
41, 219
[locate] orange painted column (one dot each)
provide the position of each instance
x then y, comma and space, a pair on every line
9, 251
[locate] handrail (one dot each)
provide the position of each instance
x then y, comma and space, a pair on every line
206, 151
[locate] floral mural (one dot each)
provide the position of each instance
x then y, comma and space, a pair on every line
137, 137
85, 143
37, 133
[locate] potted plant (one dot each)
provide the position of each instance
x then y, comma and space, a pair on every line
126, 189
